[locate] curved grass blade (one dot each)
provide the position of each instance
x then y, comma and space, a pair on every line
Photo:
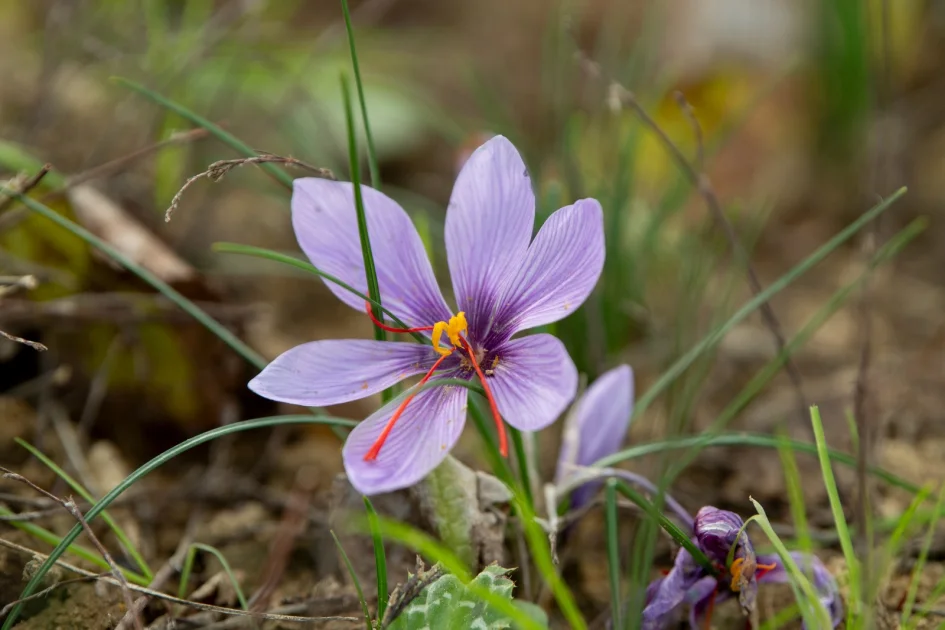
372, 152
714, 337
79, 489
189, 565
521, 459
218, 132
149, 467
613, 550
159, 285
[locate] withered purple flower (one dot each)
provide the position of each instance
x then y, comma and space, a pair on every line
504, 283
596, 427
717, 533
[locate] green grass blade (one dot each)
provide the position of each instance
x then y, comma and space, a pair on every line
923, 557
380, 559
79, 489
366, 251
670, 375
159, 285
836, 507
795, 492
813, 612
218, 132
149, 467
521, 459
46, 536
372, 152
613, 550
268, 254
188, 568
357, 582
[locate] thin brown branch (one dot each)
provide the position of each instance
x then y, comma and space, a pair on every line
35, 345
174, 600
701, 182
46, 591
71, 507
218, 170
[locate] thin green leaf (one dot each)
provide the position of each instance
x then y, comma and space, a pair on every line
920, 562
521, 459
149, 467
372, 153
188, 568
79, 489
355, 580
613, 550
795, 492
218, 132
836, 507
380, 559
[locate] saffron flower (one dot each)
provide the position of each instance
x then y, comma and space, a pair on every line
504, 283
719, 534
595, 427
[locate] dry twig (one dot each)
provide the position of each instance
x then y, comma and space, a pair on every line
218, 170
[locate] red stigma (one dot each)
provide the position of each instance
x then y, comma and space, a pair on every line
500, 427
375, 449
383, 326
762, 569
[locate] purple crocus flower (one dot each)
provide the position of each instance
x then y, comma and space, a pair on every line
504, 283
595, 427
717, 533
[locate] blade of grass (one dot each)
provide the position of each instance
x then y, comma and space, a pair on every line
366, 251
147, 468
79, 489
188, 568
355, 580
268, 254
840, 521
812, 611
372, 153
521, 460
613, 550
670, 375
218, 132
46, 536
380, 559
250, 355
795, 492
920, 563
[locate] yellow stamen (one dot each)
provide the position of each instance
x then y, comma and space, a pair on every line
456, 326
736, 570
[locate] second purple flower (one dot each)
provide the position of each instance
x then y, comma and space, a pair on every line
504, 282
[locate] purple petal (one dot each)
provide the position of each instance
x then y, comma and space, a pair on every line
534, 381
702, 593
326, 227
559, 272
488, 227
716, 532
421, 439
821, 578
335, 371
666, 595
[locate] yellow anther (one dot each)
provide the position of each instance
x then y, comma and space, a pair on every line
736, 570
453, 328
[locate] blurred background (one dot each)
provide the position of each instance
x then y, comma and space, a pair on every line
811, 112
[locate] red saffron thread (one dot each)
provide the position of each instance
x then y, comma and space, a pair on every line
371, 455
499, 425
383, 326
765, 568
708, 612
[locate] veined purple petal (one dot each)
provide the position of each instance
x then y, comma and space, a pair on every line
488, 227
335, 371
560, 270
421, 439
820, 577
326, 226
716, 532
685, 582
533, 381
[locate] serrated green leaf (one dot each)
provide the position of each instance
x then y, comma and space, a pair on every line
448, 603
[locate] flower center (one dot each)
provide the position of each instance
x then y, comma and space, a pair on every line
454, 329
